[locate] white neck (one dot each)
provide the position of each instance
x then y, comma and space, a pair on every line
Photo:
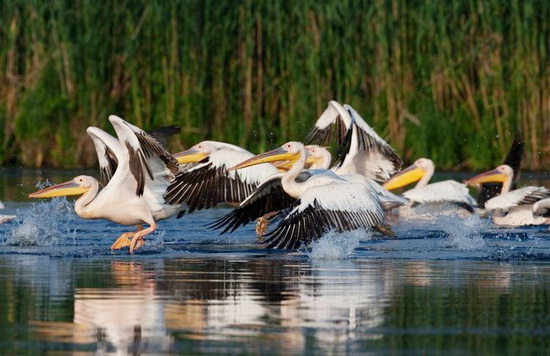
81, 204
426, 177
325, 161
506, 185
288, 181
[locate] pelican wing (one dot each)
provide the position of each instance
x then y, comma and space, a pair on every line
210, 183
334, 123
368, 153
108, 150
448, 191
525, 195
337, 206
147, 159
268, 197
542, 208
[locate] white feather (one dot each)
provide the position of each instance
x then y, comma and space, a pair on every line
515, 197
440, 192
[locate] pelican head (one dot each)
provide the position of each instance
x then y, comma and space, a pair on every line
317, 157
196, 153
416, 171
501, 174
290, 151
77, 186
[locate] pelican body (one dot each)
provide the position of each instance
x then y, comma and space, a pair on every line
511, 207
438, 194
138, 170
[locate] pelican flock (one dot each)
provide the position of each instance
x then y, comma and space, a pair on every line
302, 186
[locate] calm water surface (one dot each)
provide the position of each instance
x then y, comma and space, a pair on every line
447, 286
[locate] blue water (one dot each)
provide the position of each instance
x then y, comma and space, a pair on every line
449, 285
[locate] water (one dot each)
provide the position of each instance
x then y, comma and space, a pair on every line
455, 285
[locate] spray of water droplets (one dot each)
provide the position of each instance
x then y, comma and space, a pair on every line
335, 246
466, 234
47, 223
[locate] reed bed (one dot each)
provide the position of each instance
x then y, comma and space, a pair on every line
454, 81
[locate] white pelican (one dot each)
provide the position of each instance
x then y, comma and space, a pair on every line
134, 194
361, 150
209, 182
513, 159
324, 201
448, 191
511, 208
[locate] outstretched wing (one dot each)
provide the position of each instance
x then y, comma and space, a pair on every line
210, 183
337, 206
147, 159
368, 153
334, 124
108, 149
268, 197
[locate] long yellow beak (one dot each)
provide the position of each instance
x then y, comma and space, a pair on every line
284, 166
275, 155
191, 155
492, 176
312, 160
407, 176
60, 190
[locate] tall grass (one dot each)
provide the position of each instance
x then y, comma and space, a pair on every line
452, 81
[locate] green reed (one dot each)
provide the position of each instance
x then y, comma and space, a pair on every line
452, 81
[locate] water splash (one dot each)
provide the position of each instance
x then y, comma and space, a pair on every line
155, 242
335, 245
47, 223
466, 234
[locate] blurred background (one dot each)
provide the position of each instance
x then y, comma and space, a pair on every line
453, 81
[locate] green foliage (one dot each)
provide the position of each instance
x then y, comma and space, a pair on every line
455, 81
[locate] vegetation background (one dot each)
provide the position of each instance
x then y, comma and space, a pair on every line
454, 81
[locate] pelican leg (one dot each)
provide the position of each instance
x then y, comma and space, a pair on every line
138, 241
263, 223
125, 239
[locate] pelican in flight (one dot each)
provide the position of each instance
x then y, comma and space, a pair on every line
360, 149
448, 191
320, 201
511, 207
138, 170
208, 182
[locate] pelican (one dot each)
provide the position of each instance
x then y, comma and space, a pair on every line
209, 182
511, 207
134, 193
448, 191
321, 200
361, 150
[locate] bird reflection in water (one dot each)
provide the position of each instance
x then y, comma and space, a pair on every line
120, 320
284, 302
